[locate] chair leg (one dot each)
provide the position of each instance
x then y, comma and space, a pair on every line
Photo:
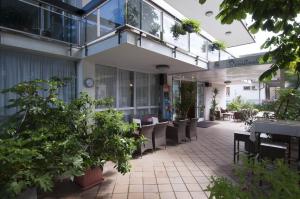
238, 151
234, 152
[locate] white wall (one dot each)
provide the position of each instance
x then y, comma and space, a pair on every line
251, 96
221, 98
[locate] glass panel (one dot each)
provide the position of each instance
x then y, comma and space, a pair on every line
134, 13
140, 113
181, 42
20, 16
154, 111
141, 89
126, 88
154, 90
198, 45
151, 20
111, 16
213, 55
128, 115
105, 82
71, 27
225, 56
91, 27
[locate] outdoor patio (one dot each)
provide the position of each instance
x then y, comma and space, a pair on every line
181, 171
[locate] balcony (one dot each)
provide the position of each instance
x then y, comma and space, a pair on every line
149, 20
140, 16
36, 19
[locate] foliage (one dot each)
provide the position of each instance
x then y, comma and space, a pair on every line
177, 30
36, 143
214, 104
48, 138
218, 45
238, 104
191, 25
186, 100
258, 180
288, 104
266, 106
276, 16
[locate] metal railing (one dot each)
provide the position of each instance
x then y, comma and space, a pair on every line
34, 18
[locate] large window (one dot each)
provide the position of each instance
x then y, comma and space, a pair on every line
126, 88
134, 93
106, 82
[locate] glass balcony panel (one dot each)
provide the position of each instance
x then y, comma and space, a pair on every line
134, 13
91, 27
71, 29
225, 55
198, 45
20, 16
213, 54
181, 42
112, 16
151, 19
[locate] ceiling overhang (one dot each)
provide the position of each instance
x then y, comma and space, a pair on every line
193, 9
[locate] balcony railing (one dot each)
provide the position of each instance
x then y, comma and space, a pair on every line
33, 17
149, 18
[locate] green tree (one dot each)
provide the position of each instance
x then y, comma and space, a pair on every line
276, 16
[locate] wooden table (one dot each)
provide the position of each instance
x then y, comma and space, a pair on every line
227, 115
279, 127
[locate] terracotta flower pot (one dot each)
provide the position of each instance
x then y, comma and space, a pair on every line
92, 177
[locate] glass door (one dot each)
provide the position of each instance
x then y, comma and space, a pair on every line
200, 100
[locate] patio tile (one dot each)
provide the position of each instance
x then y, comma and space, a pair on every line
150, 188
151, 195
165, 188
136, 189
163, 180
167, 195
119, 196
120, 188
176, 180
179, 187
137, 180
189, 179
149, 180
183, 195
193, 187
198, 195
135, 195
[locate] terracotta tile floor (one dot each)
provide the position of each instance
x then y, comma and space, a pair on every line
181, 171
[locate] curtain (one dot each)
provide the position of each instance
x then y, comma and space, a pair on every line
16, 67
106, 82
154, 90
126, 87
142, 89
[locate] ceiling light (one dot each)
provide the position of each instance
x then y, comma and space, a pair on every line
209, 13
162, 68
228, 33
227, 82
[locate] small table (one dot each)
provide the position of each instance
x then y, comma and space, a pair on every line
227, 115
279, 127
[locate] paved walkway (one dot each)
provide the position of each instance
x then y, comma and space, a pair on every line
181, 171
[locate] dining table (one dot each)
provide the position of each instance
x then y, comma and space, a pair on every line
277, 127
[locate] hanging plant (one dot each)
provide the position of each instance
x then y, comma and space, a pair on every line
191, 25
177, 30
218, 45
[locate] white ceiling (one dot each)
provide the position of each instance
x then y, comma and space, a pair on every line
193, 9
234, 74
131, 57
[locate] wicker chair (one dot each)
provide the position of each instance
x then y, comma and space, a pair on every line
159, 135
191, 128
177, 133
147, 132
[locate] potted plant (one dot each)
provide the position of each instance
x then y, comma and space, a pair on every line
214, 104
191, 25
218, 45
36, 143
177, 30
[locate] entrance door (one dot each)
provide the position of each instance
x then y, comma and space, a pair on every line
200, 100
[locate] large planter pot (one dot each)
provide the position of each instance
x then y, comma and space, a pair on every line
92, 177
30, 193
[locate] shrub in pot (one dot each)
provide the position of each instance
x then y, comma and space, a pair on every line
177, 30
36, 144
214, 104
